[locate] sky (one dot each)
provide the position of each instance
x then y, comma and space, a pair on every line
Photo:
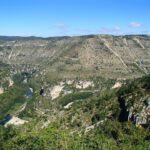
48, 18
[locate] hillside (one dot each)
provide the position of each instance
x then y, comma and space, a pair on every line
75, 93
107, 56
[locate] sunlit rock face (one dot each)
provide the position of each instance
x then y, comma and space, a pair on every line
15, 121
1, 90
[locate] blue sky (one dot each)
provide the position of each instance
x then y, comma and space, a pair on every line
74, 17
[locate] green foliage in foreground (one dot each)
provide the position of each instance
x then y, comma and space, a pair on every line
111, 136
53, 138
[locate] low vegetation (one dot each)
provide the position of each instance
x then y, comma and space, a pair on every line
91, 123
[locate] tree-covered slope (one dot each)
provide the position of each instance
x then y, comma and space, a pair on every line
96, 120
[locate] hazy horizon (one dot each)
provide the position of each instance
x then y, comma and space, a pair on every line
28, 36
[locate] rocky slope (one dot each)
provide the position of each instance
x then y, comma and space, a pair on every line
108, 56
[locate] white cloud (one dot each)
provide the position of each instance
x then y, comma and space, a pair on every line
83, 31
61, 29
61, 26
106, 30
135, 24
103, 30
117, 28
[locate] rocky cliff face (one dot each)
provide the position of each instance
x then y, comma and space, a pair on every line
135, 102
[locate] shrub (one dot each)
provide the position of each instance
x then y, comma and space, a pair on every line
75, 96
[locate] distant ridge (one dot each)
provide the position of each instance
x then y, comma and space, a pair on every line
14, 38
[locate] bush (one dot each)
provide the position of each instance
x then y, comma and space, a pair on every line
75, 96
